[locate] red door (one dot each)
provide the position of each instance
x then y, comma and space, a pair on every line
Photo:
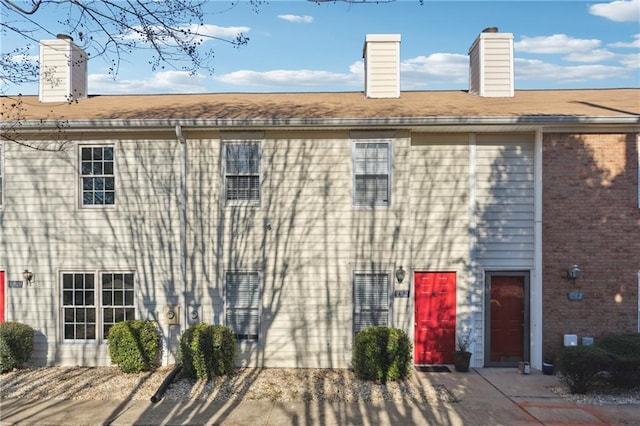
507, 318
1, 297
435, 317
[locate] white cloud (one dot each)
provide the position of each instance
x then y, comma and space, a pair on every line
557, 43
280, 78
633, 45
537, 70
597, 55
297, 19
437, 68
161, 82
631, 61
618, 11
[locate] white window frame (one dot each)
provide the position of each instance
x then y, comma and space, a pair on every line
227, 174
95, 177
98, 307
257, 306
385, 305
357, 145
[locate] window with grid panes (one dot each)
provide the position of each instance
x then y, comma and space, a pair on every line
97, 174
117, 300
242, 173
93, 302
242, 304
370, 300
371, 168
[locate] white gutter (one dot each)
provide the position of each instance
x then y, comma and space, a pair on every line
524, 122
535, 292
182, 296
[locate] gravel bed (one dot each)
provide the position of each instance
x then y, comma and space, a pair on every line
601, 395
269, 384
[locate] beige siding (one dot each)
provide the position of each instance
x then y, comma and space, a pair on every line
504, 189
45, 231
317, 239
439, 201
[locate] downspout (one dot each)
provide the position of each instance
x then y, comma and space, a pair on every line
536, 288
182, 296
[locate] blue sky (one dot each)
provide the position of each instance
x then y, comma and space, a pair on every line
302, 46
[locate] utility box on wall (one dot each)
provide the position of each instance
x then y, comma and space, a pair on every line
171, 314
194, 314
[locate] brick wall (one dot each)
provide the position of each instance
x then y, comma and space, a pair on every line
590, 218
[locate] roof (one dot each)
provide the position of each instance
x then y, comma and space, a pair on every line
454, 105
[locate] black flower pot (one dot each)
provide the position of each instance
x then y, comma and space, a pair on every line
547, 368
462, 360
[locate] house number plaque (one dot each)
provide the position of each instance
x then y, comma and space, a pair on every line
575, 295
401, 293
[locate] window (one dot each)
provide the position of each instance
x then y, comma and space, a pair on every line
84, 296
371, 165
242, 173
370, 300
242, 310
97, 175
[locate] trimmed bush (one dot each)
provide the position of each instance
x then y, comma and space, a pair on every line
580, 365
16, 345
624, 351
207, 351
382, 354
135, 346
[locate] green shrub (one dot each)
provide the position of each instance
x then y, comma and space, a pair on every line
624, 351
382, 354
207, 351
135, 346
580, 365
16, 345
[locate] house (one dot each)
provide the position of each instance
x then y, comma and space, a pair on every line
297, 219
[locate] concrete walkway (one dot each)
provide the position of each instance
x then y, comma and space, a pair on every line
489, 396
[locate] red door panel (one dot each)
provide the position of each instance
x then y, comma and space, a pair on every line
507, 318
435, 317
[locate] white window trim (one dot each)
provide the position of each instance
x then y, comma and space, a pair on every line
241, 141
389, 143
80, 190
390, 283
98, 305
258, 341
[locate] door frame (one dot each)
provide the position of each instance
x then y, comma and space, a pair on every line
526, 354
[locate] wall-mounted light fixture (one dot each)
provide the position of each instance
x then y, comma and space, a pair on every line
574, 273
28, 275
400, 274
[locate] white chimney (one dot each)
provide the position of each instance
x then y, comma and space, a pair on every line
63, 70
382, 66
491, 64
